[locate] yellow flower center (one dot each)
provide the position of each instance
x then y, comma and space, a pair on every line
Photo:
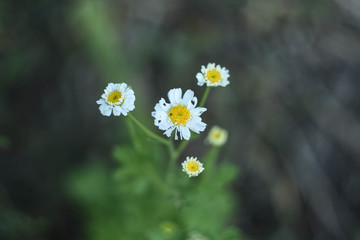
167, 227
213, 76
192, 166
114, 97
216, 135
179, 114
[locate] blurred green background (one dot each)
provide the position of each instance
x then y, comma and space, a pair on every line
292, 107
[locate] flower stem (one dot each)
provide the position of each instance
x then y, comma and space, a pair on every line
211, 158
137, 144
209, 162
148, 132
204, 97
171, 166
146, 166
181, 147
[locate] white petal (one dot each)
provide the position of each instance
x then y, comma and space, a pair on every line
129, 93
123, 111
100, 101
225, 83
116, 86
163, 125
174, 95
110, 87
153, 114
162, 105
123, 86
169, 131
200, 77
185, 132
117, 111
188, 95
203, 69
105, 110
192, 103
131, 107
198, 111
176, 134
196, 125
128, 104
161, 115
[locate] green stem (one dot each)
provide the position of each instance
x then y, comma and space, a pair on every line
148, 132
204, 97
174, 155
209, 162
146, 166
135, 140
171, 166
211, 159
181, 147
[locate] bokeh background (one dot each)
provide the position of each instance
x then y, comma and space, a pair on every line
292, 108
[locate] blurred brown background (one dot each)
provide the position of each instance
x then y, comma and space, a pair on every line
292, 107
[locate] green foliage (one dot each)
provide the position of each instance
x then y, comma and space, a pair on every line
134, 202
207, 204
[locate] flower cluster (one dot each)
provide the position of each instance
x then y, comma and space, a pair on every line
180, 114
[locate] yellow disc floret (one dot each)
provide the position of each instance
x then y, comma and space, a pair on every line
114, 97
215, 135
192, 166
213, 76
167, 228
179, 115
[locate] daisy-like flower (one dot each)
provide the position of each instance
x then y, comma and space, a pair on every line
117, 99
213, 75
181, 114
192, 166
217, 136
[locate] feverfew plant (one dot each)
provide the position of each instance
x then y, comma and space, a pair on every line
157, 194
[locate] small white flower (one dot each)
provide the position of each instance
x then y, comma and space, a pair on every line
192, 166
217, 136
117, 99
213, 75
181, 114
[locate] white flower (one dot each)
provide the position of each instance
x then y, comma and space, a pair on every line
192, 166
118, 99
213, 76
181, 114
217, 136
